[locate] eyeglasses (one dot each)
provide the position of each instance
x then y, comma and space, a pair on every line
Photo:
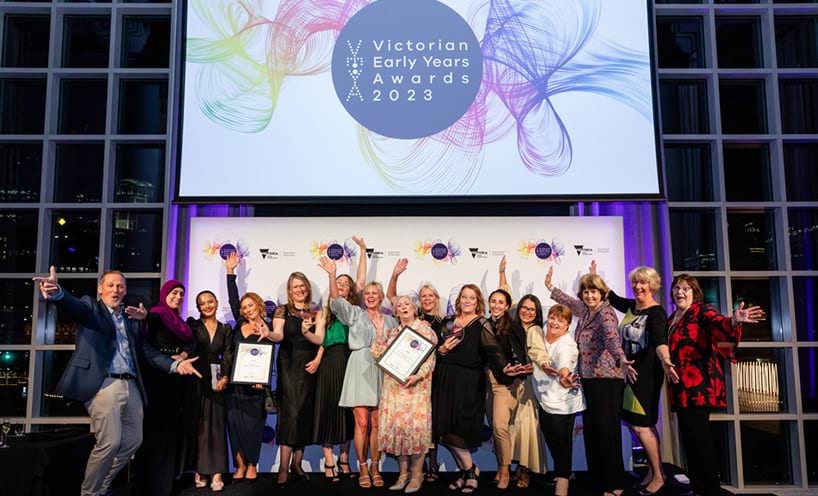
683, 289
528, 309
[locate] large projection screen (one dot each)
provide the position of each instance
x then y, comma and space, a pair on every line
446, 251
291, 101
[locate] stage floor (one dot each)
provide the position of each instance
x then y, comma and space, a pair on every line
265, 485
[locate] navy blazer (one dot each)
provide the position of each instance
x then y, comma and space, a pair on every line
96, 346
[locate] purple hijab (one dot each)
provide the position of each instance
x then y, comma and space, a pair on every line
170, 317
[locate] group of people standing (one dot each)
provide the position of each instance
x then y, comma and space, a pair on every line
521, 368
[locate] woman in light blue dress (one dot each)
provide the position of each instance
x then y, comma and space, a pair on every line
363, 379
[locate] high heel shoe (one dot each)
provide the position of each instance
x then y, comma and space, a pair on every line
470, 483
645, 492
345, 472
299, 474
217, 486
432, 473
333, 477
403, 479
415, 483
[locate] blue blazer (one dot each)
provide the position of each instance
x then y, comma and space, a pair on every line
96, 346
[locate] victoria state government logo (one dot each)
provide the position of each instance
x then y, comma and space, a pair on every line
268, 254
582, 250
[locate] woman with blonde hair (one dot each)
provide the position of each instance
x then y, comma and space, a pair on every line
362, 379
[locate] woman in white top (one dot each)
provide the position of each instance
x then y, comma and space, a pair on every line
555, 357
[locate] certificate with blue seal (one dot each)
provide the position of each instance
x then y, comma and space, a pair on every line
253, 363
405, 354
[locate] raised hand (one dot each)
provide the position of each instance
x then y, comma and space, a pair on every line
136, 313
232, 262
400, 266
360, 242
327, 264
749, 315
548, 276
593, 269
502, 267
48, 284
186, 367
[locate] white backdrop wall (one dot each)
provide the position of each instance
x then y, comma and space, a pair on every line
446, 251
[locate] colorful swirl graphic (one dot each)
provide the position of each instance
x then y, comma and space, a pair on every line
533, 50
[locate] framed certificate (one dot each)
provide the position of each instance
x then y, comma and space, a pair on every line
406, 354
253, 363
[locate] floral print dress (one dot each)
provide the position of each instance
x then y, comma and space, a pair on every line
406, 412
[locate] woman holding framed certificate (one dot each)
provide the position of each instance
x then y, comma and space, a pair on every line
406, 400
363, 378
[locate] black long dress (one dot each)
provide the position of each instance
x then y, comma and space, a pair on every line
295, 388
156, 463
245, 405
459, 385
205, 443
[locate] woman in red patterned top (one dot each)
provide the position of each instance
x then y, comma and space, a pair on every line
697, 334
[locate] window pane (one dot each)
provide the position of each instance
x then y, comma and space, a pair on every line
811, 448
805, 300
680, 42
743, 107
747, 171
52, 404
712, 290
137, 241
140, 173
801, 165
799, 105
145, 41
689, 172
14, 379
16, 307
803, 238
738, 42
79, 172
684, 107
766, 451
26, 40
760, 376
18, 240
145, 291
75, 240
86, 40
20, 168
722, 433
65, 331
796, 44
22, 106
766, 293
751, 236
693, 236
808, 371
143, 107
82, 106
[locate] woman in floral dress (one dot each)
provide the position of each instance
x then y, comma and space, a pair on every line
406, 409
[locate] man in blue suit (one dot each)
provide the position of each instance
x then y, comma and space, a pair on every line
103, 371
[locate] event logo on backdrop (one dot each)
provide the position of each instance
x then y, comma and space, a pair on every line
391, 98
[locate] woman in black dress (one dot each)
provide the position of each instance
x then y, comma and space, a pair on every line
459, 385
157, 461
245, 403
214, 346
294, 327
643, 340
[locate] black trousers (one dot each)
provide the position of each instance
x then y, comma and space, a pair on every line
602, 431
700, 453
559, 437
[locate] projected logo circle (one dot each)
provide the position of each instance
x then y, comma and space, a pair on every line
335, 251
226, 250
407, 69
439, 251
